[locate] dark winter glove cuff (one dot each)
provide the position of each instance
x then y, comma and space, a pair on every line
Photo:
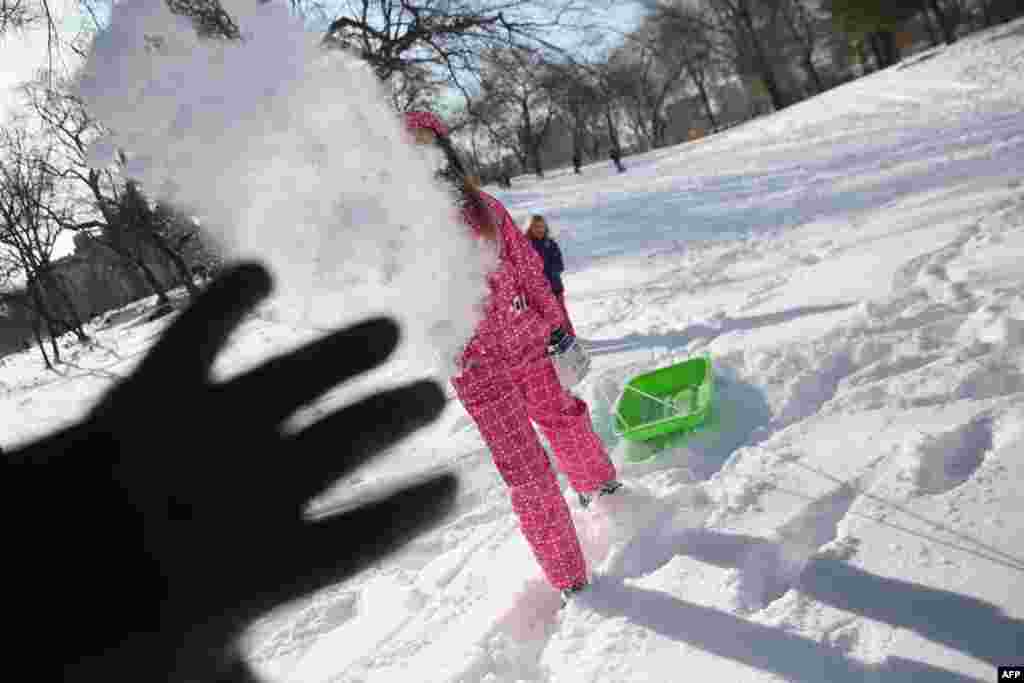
559, 341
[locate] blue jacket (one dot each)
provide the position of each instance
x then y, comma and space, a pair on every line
553, 265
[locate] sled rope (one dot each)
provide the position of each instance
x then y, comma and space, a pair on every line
614, 405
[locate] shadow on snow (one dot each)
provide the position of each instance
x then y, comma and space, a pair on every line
960, 622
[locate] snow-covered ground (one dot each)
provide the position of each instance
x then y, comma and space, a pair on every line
855, 267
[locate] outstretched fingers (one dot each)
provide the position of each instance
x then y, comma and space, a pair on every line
316, 555
189, 346
274, 390
341, 442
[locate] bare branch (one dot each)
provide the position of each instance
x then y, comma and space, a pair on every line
393, 34
15, 15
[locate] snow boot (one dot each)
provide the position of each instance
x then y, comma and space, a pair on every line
604, 489
567, 593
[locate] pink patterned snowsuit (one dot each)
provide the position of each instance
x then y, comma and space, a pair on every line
507, 380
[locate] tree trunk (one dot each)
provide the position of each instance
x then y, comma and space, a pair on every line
475, 152
933, 35
529, 142
538, 166
764, 68
154, 283
615, 152
42, 314
705, 99
948, 33
892, 51
986, 12
876, 47
54, 335
812, 71
57, 288
779, 100
639, 125
134, 262
806, 41
993, 14
36, 325
179, 265
863, 57
658, 131
577, 145
522, 158
884, 44
126, 256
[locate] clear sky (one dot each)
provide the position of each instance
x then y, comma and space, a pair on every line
22, 54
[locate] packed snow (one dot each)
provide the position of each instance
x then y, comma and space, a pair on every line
853, 266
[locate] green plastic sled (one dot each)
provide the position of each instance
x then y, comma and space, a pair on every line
664, 405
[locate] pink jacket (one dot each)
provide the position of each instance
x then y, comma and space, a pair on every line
520, 311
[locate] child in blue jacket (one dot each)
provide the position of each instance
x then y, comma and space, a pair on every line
537, 231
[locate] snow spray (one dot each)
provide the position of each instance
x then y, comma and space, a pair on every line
287, 153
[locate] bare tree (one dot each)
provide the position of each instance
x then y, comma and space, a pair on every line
805, 20
110, 210
95, 213
393, 35
16, 15
208, 16
872, 24
643, 80
684, 36
513, 84
751, 27
24, 15
487, 146
574, 91
945, 18
997, 11
491, 113
608, 79
417, 87
160, 227
30, 198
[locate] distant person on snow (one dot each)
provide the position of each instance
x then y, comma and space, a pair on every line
540, 238
506, 379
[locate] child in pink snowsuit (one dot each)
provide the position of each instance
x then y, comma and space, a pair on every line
507, 380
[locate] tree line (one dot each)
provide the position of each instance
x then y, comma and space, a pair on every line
537, 84
126, 245
692, 67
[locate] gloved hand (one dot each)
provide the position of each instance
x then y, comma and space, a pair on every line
559, 341
139, 543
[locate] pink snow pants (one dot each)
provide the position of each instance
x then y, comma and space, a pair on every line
502, 401
568, 321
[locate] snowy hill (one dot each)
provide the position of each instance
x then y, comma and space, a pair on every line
853, 264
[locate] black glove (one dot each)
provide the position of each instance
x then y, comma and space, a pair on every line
140, 542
